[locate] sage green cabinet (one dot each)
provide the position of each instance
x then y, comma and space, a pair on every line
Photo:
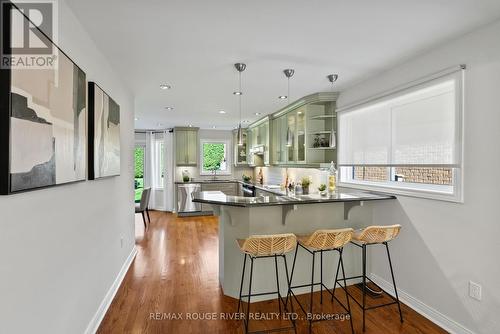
186, 146
301, 132
240, 152
259, 136
279, 142
289, 138
228, 188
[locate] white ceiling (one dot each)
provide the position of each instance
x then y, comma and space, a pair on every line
192, 45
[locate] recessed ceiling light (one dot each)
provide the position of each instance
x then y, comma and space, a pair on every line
300, 112
214, 127
282, 97
136, 119
190, 125
238, 93
257, 113
222, 111
169, 108
165, 86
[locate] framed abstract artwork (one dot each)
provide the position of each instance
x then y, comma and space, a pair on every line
43, 134
104, 134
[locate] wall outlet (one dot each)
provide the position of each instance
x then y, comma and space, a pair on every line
121, 242
474, 290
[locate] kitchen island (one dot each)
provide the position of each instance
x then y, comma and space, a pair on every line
240, 217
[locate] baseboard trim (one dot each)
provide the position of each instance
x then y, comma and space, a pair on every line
425, 310
108, 298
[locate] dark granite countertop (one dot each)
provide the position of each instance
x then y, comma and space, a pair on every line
219, 198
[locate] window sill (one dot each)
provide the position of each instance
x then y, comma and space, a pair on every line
404, 191
218, 174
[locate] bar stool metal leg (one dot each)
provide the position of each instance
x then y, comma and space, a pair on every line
341, 262
312, 292
241, 284
321, 278
291, 276
288, 287
277, 282
336, 277
364, 283
247, 318
394, 282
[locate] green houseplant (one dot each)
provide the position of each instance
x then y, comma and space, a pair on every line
322, 189
305, 182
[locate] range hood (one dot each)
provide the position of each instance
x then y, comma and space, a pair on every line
258, 150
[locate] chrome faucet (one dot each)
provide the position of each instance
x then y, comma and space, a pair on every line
214, 171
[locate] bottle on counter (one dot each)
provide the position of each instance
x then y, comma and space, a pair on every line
332, 178
260, 177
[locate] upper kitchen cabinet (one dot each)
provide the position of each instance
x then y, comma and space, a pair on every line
186, 146
303, 130
259, 140
321, 133
240, 151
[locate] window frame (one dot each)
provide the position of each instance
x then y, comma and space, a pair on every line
227, 153
408, 188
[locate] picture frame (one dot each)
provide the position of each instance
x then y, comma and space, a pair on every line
43, 120
104, 134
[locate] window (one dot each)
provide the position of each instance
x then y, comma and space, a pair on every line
408, 142
139, 171
215, 158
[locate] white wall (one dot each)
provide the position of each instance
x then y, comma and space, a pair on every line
444, 245
61, 246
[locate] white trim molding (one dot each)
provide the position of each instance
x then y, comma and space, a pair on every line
425, 310
108, 298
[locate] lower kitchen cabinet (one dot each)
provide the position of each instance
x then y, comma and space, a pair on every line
228, 188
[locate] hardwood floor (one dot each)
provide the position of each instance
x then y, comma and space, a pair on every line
175, 275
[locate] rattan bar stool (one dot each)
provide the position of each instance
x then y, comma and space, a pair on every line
375, 235
260, 247
322, 241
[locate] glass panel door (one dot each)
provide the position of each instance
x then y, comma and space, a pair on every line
301, 136
291, 137
139, 171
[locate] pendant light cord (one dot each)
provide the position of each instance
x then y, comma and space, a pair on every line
288, 92
241, 93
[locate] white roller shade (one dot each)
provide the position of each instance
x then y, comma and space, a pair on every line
419, 126
365, 136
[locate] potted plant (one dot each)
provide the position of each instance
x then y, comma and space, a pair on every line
322, 189
246, 178
305, 182
185, 176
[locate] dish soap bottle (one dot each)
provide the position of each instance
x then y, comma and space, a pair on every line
332, 178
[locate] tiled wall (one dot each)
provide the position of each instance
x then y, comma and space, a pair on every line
277, 175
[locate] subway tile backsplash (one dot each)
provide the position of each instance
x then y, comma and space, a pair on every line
277, 175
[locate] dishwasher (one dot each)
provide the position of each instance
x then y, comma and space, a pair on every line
185, 204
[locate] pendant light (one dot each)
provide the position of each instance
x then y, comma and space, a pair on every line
333, 138
240, 67
289, 72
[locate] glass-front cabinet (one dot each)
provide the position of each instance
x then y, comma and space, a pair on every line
291, 138
301, 135
240, 152
304, 133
